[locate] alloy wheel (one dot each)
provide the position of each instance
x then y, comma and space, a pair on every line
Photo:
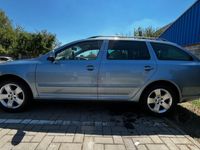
11, 96
159, 100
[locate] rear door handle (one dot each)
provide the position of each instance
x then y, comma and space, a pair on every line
90, 67
148, 68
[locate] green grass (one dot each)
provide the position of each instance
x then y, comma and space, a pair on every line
196, 103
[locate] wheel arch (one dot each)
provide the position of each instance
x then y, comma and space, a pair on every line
15, 77
163, 82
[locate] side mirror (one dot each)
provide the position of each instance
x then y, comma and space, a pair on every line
51, 58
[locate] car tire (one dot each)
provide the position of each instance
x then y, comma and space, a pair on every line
15, 96
160, 100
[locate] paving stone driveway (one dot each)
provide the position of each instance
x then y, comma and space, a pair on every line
90, 125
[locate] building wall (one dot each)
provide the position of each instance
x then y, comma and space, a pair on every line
186, 29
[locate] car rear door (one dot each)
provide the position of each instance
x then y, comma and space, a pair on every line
125, 67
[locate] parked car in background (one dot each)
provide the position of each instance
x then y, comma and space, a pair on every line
156, 73
5, 59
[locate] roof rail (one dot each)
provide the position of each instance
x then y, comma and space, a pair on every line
133, 37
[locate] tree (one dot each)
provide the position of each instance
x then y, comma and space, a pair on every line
138, 32
147, 32
7, 36
15, 40
42, 42
34, 44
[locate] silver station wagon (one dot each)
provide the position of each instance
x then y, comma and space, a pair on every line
156, 73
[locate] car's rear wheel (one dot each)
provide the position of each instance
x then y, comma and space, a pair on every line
14, 96
160, 99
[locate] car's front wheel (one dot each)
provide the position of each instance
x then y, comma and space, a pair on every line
14, 96
160, 99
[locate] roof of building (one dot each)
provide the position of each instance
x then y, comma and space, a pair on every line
185, 30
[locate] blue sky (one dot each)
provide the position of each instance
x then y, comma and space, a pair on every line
76, 19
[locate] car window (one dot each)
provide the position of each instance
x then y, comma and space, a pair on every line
3, 59
80, 51
170, 52
127, 50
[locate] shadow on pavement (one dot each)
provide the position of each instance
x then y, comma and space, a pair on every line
17, 138
187, 121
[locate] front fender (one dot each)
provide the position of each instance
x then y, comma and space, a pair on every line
24, 71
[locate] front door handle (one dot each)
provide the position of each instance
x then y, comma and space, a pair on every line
90, 67
148, 68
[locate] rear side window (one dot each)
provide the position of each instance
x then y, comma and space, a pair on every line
127, 50
169, 52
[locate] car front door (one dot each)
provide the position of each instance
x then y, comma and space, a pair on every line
125, 67
73, 74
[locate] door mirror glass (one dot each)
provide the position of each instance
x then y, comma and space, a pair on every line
51, 58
